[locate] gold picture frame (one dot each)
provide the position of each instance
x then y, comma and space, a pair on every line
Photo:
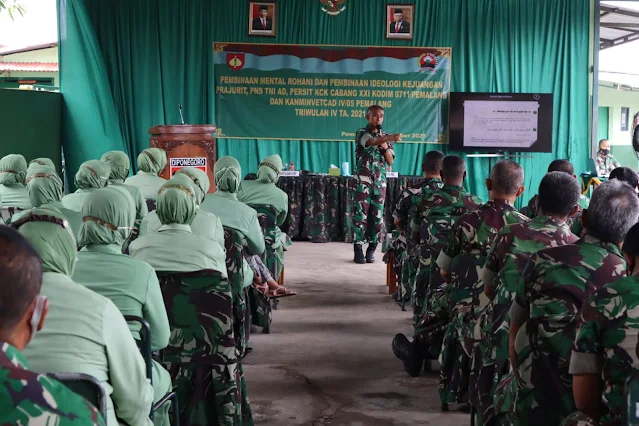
262, 18
399, 21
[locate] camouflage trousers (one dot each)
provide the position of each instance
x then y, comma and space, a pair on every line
455, 371
580, 419
368, 212
421, 290
408, 272
245, 405
241, 327
207, 394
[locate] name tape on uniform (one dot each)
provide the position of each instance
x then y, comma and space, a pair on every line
290, 173
392, 174
176, 164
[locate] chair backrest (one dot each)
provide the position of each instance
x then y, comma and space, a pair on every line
87, 387
200, 309
267, 216
151, 205
144, 344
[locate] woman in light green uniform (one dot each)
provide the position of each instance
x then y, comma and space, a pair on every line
129, 283
41, 162
151, 162
85, 332
205, 224
233, 213
120, 165
174, 247
44, 188
92, 175
13, 170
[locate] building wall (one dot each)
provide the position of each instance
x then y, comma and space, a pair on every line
43, 55
620, 142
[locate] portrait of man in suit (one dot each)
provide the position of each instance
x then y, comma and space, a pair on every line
262, 19
399, 21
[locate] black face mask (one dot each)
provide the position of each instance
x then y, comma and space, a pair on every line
604, 152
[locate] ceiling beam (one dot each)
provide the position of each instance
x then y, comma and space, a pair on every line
619, 11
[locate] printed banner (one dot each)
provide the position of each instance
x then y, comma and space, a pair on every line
176, 164
317, 92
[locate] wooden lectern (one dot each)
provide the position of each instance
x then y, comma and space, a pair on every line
183, 142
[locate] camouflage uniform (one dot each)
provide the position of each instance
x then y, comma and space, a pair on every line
547, 302
29, 398
574, 222
606, 164
407, 250
434, 219
608, 332
505, 263
202, 352
368, 202
463, 258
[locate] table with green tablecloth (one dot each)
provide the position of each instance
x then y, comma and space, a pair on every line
320, 206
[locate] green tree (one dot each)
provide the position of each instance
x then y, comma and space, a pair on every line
12, 7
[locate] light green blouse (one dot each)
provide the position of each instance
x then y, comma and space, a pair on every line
75, 201
205, 224
141, 209
175, 248
236, 215
259, 192
15, 196
148, 183
86, 333
129, 283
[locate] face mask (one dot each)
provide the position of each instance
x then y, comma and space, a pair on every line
36, 317
604, 151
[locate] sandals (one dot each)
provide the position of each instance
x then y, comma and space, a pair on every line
262, 289
282, 292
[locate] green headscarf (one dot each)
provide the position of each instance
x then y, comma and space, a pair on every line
43, 185
270, 168
93, 174
120, 164
152, 160
50, 235
200, 181
107, 217
41, 162
13, 169
227, 174
176, 202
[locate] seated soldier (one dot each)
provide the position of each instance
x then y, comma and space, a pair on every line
557, 166
509, 252
625, 174
27, 397
92, 175
408, 255
233, 213
130, 284
41, 162
263, 280
604, 354
151, 162
120, 165
547, 301
85, 332
205, 224
460, 263
44, 188
174, 247
264, 191
13, 171
440, 210
606, 162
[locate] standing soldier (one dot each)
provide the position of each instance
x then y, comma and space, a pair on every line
374, 150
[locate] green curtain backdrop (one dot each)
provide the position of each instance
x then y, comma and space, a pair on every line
126, 64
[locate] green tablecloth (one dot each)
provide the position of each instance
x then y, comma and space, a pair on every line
320, 206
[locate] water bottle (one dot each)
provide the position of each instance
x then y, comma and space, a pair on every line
346, 168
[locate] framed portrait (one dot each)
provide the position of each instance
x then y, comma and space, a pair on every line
625, 116
399, 21
262, 19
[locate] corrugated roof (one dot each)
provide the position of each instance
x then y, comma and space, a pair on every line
29, 66
618, 26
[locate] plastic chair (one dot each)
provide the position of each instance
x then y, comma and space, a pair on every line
87, 387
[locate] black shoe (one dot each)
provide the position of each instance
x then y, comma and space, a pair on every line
370, 253
410, 354
359, 254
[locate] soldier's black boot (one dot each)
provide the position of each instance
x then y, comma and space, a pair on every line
370, 253
411, 354
359, 254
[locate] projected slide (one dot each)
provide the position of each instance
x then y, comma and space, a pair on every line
510, 125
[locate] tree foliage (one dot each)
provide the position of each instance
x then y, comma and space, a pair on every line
12, 7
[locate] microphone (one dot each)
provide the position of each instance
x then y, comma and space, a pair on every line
181, 116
